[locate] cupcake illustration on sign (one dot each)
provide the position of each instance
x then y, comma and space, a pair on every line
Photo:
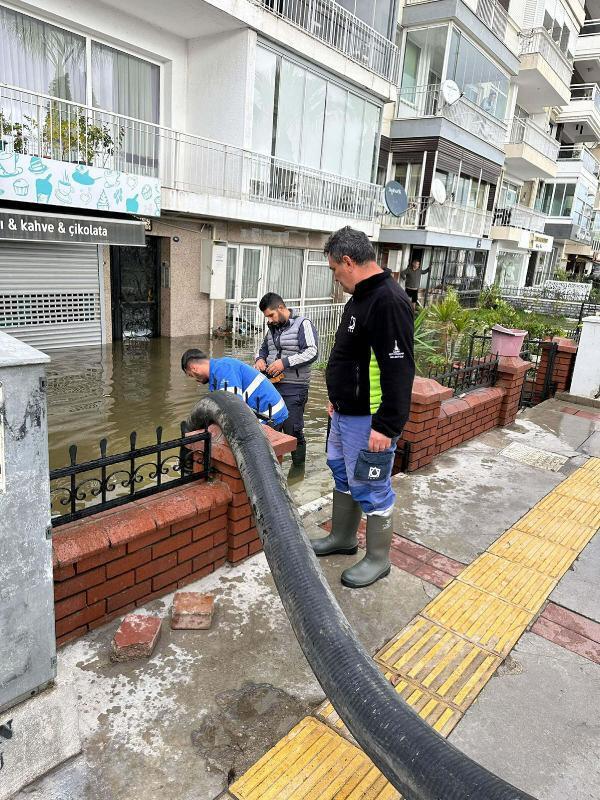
82, 176
146, 191
43, 189
37, 166
102, 203
21, 187
64, 190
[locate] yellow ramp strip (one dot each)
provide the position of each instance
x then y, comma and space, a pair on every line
313, 763
443, 658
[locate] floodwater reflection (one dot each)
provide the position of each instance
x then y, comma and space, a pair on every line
96, 392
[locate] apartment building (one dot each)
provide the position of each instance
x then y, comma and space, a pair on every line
160, 162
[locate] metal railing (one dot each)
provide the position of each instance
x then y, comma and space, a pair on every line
246, 325
79, 490
44, 126
580, 153
591, 27
338, 28
586, 92
538, 40
525, 131
493, 16
425, 101
520, 217
412, 218
450, 217
465, 376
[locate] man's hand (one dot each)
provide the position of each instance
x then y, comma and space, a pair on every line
330, 409
276, 367
378, 442
260, 364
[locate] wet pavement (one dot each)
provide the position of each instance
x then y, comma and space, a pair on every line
107, 392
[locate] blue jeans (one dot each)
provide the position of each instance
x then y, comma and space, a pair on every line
347, 437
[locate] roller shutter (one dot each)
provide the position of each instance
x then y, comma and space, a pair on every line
50, 294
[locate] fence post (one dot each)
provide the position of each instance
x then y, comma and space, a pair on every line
422, 426
511, 376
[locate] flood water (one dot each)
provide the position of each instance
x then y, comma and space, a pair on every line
107, 392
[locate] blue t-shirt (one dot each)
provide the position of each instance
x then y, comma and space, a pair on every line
252, 386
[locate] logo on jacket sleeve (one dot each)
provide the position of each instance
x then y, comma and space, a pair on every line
352, 325
396, 352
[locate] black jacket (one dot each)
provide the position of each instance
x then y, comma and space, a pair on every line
371, 367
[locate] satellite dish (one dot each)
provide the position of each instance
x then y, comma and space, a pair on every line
395, 198
450, 92
438, 191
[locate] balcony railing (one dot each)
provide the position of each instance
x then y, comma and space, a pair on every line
338, 28
426, 101
39, 125
591, 27
493, 16
449, 218
520, 217
580, 154
538, 40
524, 131
586, 92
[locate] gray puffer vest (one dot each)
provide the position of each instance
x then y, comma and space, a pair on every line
286, 342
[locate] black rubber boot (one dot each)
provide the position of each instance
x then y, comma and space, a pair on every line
376, 563
299, 455
345, 520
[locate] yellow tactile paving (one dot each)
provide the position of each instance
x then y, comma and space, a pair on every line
313, 763
544, 556
508, 580
442, 659
478, 616
444, 664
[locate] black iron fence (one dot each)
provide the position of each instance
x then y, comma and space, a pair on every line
474, 372
81, 489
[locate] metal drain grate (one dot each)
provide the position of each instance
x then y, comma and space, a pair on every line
534, 457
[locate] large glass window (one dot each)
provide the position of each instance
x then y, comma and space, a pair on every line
478, 78
409, 175
563, 200
125, 84
379, 14
422, 67
317, 123
41, 57
285, 272
319, 278
560, 27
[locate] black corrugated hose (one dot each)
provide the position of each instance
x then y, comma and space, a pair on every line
413, 757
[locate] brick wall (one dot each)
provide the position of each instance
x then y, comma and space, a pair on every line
113, 561
439, 421
562, 369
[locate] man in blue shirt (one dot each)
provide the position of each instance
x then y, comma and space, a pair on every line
231, 375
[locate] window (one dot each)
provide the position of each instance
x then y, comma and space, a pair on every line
379, 14
564, 200
305, 119
124, 84
510, 194
422, 67
478, 78
511, 268
319, 278
409, 175
285, 272
41, 57
560, 27
230, 275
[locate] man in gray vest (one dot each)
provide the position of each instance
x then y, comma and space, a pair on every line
287, 351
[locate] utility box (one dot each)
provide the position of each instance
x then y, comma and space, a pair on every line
27, 638
213, 275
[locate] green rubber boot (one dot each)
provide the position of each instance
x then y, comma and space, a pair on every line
345, 520
376, 563
299, 455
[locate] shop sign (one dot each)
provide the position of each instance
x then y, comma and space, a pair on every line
529, 240
31, 179
29, 226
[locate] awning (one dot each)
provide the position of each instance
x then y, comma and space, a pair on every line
37, 226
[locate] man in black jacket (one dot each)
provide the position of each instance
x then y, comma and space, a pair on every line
369, 382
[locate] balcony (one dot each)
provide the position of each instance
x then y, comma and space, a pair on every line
581, 117
126, 162
587, 49
574, 158
449, 218
338, 28
530, 151
422, 102
486, 20
522, 226
545, 74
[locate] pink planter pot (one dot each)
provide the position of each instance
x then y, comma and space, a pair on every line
507, 341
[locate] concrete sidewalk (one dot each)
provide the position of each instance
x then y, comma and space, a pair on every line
208, 704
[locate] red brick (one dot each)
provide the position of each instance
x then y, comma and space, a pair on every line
224, 470
73, 621
235, 554
77, 543
101, 558
239, 512
186, 525
210, 557
217, 524
118, 612
110, 587
216, 512
235, 483
169, 508
62, 573
129, 596
128, 562
192, 611
245, 538
127, 524
148, 539
136, 637
171, 544
79, 583
254, 546
220, 537
69, 637
70, 605
194, 549
155, 567
171, 575
153, 595
197, 575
